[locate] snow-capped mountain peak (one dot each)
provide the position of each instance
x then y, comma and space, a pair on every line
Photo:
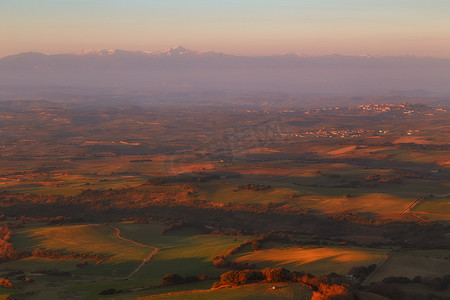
102, 52
178, 50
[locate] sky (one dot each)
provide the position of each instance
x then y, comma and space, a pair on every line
240, 27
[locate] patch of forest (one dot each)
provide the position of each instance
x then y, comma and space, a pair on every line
182, 207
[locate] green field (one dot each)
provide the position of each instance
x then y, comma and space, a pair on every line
74, 183
317, 261
314, 189
312, 198
424, 289
247, 292
435, 208
186, 252
425, 263
79, 238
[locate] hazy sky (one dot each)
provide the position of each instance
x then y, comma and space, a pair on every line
249, 27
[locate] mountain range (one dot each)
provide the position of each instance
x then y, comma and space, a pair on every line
179, 68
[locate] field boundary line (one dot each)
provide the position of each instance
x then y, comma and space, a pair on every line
145, 260
411, 206
377, 269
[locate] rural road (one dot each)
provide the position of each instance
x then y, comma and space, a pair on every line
408, 209
377, 269
146, 260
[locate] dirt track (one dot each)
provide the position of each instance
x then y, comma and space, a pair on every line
146, 260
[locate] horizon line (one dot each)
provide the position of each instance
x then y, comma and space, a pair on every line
82, 52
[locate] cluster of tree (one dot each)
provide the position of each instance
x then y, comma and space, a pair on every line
5, 233
220, 261
180, 225
13, 225
332, 175
241, 277
350, 185
54, 272
126, 173
279, 237
362, 272
253, 187
111, 291
419, 236
237, 248
323, 287
109, 205
21, 276
381, 179
414, 146
140, 160
314, 242
58, 255
437, 283
58, 220
229, 232
24, 278
359, 218
7, 250
171, 279
5, 283
256, 245
186, 177
137, 220
274, 236
191, 190
97, 201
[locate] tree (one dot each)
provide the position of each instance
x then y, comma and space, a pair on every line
256, 246
276, 275
234, 278
171, 279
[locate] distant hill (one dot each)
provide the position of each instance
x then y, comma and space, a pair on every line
183, 69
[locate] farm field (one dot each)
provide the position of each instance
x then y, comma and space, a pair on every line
428, 264
91, 239
184, 251
436, 208
170, 203
318, 186
317, 261
425, 290
248, 292
312, 198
